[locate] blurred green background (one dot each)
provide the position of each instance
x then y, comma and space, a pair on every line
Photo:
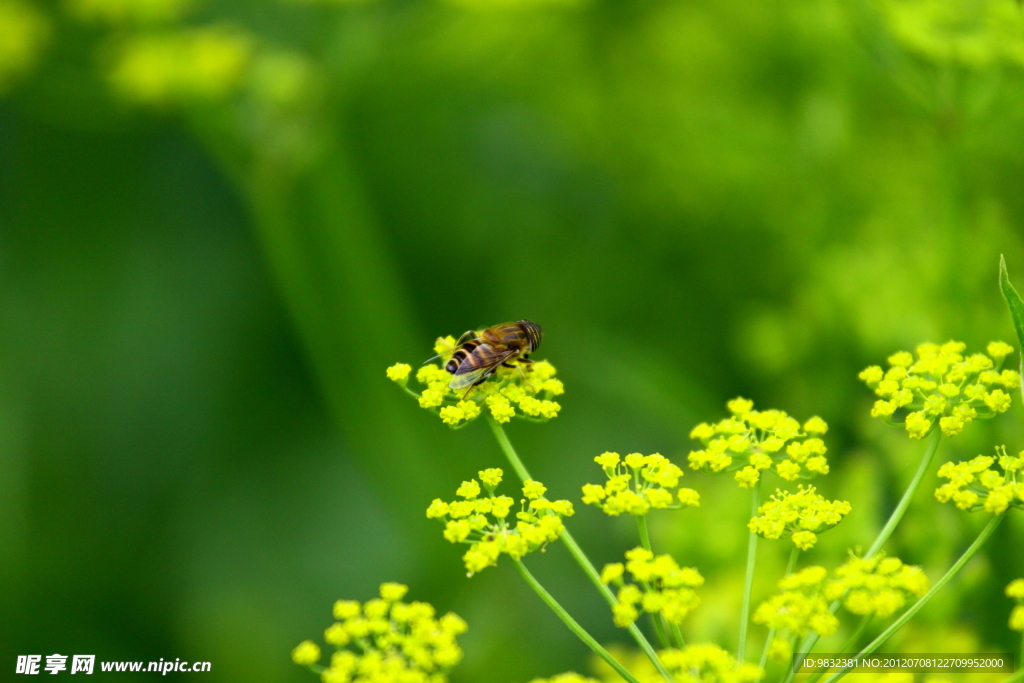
220, 221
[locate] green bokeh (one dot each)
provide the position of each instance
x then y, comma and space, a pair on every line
199, 450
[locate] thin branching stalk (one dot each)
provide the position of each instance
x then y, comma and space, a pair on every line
577, 553
854, 638
790, 566
916, 607
748, 582
931, 446
573, 625
645, 541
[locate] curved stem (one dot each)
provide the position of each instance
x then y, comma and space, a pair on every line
574, 549
916, 607
572, 623
931, 446
851, 642
1016, 678
748, 582
795, 553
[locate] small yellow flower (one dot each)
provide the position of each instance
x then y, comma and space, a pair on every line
399, 372
977, 484
482, 521
660, 586
1015, 589
386, 639
941, 386
801, 515
707, 663
1016, 622
637, 484
305, 653
751, 441
800, 607
878, 585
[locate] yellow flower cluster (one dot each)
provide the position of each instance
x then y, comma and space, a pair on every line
801, 516
511, 393
942, 384
483, 521
206, 63
878, 585
975, 484
798, 609
638, 483
570, 677
707, 663
23, 31
751, 441
386, 640
664, 587
1015, 590
974, 34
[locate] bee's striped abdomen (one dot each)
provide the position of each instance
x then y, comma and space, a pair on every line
460, 355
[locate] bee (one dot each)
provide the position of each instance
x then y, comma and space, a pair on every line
478, 357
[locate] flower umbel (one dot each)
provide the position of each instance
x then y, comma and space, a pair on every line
661, 587
386, 640
878, 585
975, 484
524, 391
1015, 590
637, 484
483, 522
798, 609
752, 441
941, 384
800, 516
707, 663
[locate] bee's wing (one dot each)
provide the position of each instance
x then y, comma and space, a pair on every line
478, 365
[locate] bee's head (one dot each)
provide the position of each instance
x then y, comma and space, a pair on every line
534, 332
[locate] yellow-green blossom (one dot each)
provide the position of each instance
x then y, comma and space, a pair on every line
569, 677
942, 386
977, 485
305, 653
637, 484
800, 515
707, 663
483, 522
525, 391
752, 441
979, 34
23, 31
385, 640
202, 64
399, 372
878, 585
800, 607
1015, 590
661, 587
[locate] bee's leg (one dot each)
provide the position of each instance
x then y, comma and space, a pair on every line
468, 334
525, 360
525, 381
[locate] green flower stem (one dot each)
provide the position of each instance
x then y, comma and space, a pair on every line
645, 541
577, 552
916, 607
748, 583
851, 642
572, 623
677, 635
790, 566
931, 446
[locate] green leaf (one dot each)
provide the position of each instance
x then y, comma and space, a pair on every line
1016, 306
